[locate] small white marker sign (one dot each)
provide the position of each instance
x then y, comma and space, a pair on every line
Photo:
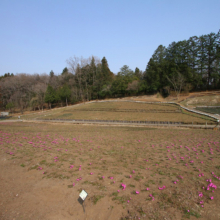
83, 195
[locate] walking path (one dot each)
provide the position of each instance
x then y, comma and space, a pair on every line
159, 124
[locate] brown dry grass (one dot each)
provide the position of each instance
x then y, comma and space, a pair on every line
128, 111
151, 156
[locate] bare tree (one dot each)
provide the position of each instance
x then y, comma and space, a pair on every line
77, 68
21, 88
177, 81
133, 86
84, 76
39, 89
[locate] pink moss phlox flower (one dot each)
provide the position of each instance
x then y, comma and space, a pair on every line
211, 185
130, 176
137, 192
133, 171
151, 197
147, 189
163, 187
124, 186
212, 197
111, 177
118, 190
200, 194
73, 184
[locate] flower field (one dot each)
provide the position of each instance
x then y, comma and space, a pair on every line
128, 172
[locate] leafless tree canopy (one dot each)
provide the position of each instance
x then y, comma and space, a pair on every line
178, 82
22, 88
80, 80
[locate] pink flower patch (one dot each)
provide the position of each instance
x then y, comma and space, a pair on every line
124, 186
163, 187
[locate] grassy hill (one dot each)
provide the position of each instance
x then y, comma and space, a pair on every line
122, 111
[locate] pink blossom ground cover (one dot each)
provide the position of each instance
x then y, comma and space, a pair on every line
144, 172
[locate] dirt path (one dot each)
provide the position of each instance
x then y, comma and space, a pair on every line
119, 123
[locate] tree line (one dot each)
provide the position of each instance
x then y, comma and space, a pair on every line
196, 60
188, 65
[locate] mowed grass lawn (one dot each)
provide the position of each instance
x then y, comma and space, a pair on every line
127, 111
128, 172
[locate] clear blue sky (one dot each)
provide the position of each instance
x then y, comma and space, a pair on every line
37, 36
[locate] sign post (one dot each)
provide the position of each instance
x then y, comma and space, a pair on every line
82, 197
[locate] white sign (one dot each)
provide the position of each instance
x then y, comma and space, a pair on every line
83, 195
4, 113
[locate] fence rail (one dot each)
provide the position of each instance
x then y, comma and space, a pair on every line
130, 110
121, 121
